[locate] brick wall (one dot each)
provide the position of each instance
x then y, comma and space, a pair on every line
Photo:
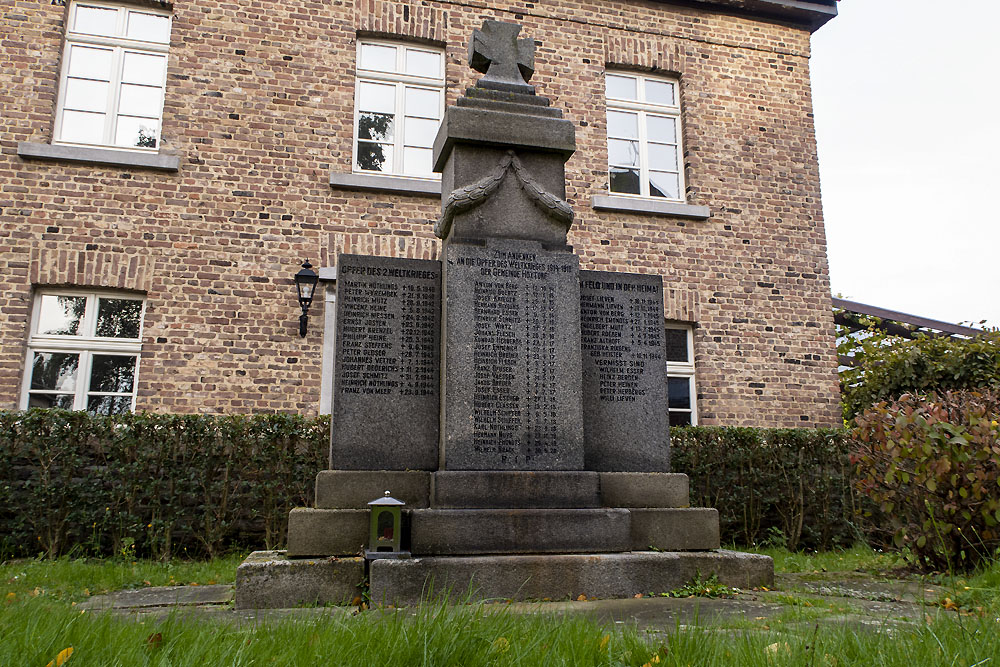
259, 105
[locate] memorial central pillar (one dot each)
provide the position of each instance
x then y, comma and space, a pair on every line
510, 358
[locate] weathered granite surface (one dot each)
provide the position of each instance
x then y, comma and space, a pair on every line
353, 489
624, 372
499, 531
511, 373
557, 577
515, 489
269, 580
385, 407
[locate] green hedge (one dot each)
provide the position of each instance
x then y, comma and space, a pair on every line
782, 487
167, 485
152, 485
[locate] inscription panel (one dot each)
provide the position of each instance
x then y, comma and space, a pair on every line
386, 376
624, 372
512, 365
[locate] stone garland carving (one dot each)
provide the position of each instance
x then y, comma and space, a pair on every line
471, 196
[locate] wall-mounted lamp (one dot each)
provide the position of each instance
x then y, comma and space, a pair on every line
305, 282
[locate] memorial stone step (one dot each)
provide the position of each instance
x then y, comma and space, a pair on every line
497, 531
515, 489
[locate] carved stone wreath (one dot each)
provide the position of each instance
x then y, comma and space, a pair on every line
471, 196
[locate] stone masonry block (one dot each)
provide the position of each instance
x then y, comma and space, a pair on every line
483, 531
316, 532
682, 529
354, 489
564, 576
644, 489
270, 580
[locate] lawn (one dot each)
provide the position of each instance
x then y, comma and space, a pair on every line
38, 620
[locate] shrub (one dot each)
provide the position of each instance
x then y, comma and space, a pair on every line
932, 463
783, 487
888, 366
163, 485
152, 484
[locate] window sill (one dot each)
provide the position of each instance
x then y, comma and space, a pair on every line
635, 205
103, 156
397, 184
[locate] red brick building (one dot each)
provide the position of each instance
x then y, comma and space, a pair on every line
167, 166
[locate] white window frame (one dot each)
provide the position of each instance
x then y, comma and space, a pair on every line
119, 45
679, 369
401, 81
643, 108
86, 344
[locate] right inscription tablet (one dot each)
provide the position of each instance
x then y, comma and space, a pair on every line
624, 372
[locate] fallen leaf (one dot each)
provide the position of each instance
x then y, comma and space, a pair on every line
637, 596
356, 602
155, 640
501, 645
10, 597
582, 598
604, 643
61, 657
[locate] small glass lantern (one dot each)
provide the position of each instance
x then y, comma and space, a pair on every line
385, 533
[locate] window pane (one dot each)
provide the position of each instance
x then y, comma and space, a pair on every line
659, 128
96, 21
377, 97
84, 95
679, 392
659, 92
61, 315
418, 161
662, 157
623, 153
423, 63
62, 401
89, 63
118, 318
625, 180
422, 102
375, 126
141, 100
109, 405
148, 27
420, 132
662, 184
677, 345
54, 371
112, 373
378, 57
143, 68
84, 128
620, 87
623, 125
136, 132
680, 418
374, 157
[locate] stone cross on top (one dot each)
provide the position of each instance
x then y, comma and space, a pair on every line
496, 51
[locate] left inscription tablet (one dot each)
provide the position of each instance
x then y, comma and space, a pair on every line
386, 392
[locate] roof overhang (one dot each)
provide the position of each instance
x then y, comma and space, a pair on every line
811, 14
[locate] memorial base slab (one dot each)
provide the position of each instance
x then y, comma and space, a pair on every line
270, 579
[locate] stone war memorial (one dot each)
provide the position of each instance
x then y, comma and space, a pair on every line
516, 404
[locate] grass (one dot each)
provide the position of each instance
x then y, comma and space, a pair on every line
72, 580
858, 558
38, 620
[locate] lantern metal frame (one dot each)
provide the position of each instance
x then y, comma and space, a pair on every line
380, 546
306, 281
